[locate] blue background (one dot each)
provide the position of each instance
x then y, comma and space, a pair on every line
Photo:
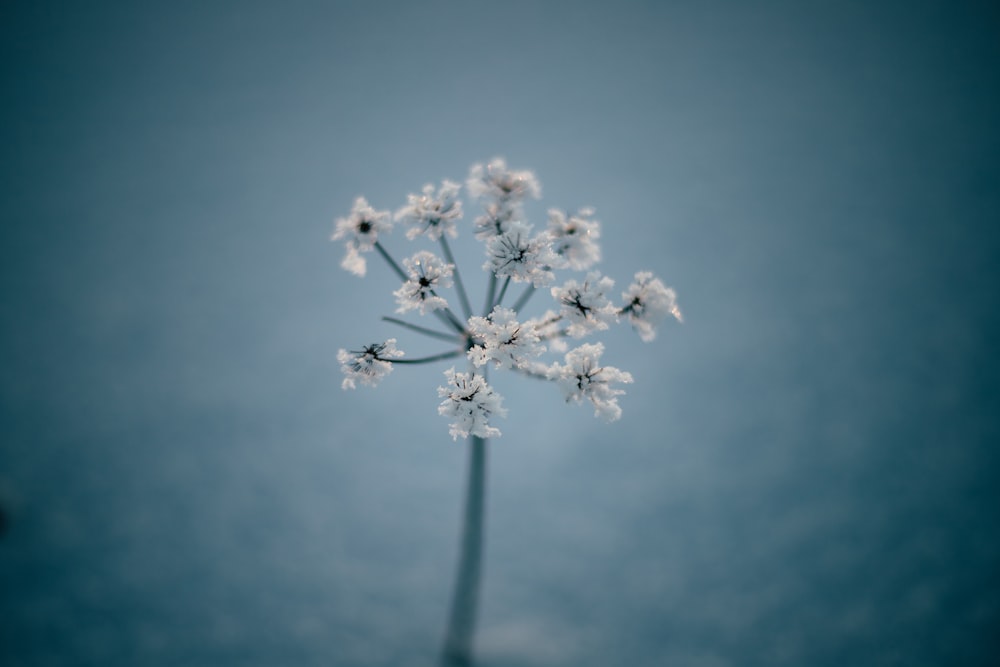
806, 470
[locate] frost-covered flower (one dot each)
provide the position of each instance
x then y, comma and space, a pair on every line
585, 306
574, 237
432, 214
427, 273
522, 258
369, 365
647, 302
582, 377
361, 229
503, 185
502, 339
470, 402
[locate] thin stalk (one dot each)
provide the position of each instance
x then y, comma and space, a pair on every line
424, 330
523, 299
426, 360
464, 603
503, 291
490, 292
459, 287
388, 258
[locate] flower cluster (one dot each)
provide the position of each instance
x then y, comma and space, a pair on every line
500, 336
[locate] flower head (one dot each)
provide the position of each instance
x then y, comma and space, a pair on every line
361, 229
470, 402
369, 365
647, 302
430, 214
582, 377
501, 184
502, 340
574, 238
427, 273
522, 258
584, 305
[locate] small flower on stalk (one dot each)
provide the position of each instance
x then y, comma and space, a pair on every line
585, 305
427, 273
432, 215
515, 255
501, 184
647, 302
574, 237
369, 365
582, 377
361, 229
503, 340
471, 402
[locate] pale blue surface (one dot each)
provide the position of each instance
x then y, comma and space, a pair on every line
806, 472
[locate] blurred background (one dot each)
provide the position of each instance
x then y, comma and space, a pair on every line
806, 470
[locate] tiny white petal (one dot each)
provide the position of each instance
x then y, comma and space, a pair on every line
432, 214
427, 273
574, 238
585, 305
522, 258
647, 303
361, 229
470, 401
368, 365
502, 339
582, 377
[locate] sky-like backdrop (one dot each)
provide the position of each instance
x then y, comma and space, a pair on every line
805, 473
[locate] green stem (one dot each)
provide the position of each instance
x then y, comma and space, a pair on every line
523, 299
424, 330
426, 360
464, 603
459, 287
503, 291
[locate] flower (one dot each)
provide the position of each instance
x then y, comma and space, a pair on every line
427, 273
361, 228
513, 254
575, 238
369, 365
432, 215
502, 339
647, 302
585, 306
471, 402
501, 184
583, 378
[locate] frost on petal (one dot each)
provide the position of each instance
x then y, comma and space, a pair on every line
503, 340
522, 258
497, 182
367, 365
585, 305
432, 214
470, 402
647, 303
574, 238
582, 377
360, 229
426, 274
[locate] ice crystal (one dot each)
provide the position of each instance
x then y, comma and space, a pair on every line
647, 303
432, 215
582, 377
503, 340
361, 229
524, 259
470, 402
368, 365
427, 273
574, 238
585, 306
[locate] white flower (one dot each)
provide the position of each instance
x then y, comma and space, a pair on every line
575, 237
368, 365
495, 221
433, 215
513, 254
426, 274
584, 378
361, 229
585, 305
503, 340
471, 402
501, 184
647, 302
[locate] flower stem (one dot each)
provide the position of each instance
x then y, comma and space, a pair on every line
451, 354
503, 291
462, 620
445, 315
388, 258
424, 330
491, 291
459, 287
523, 299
